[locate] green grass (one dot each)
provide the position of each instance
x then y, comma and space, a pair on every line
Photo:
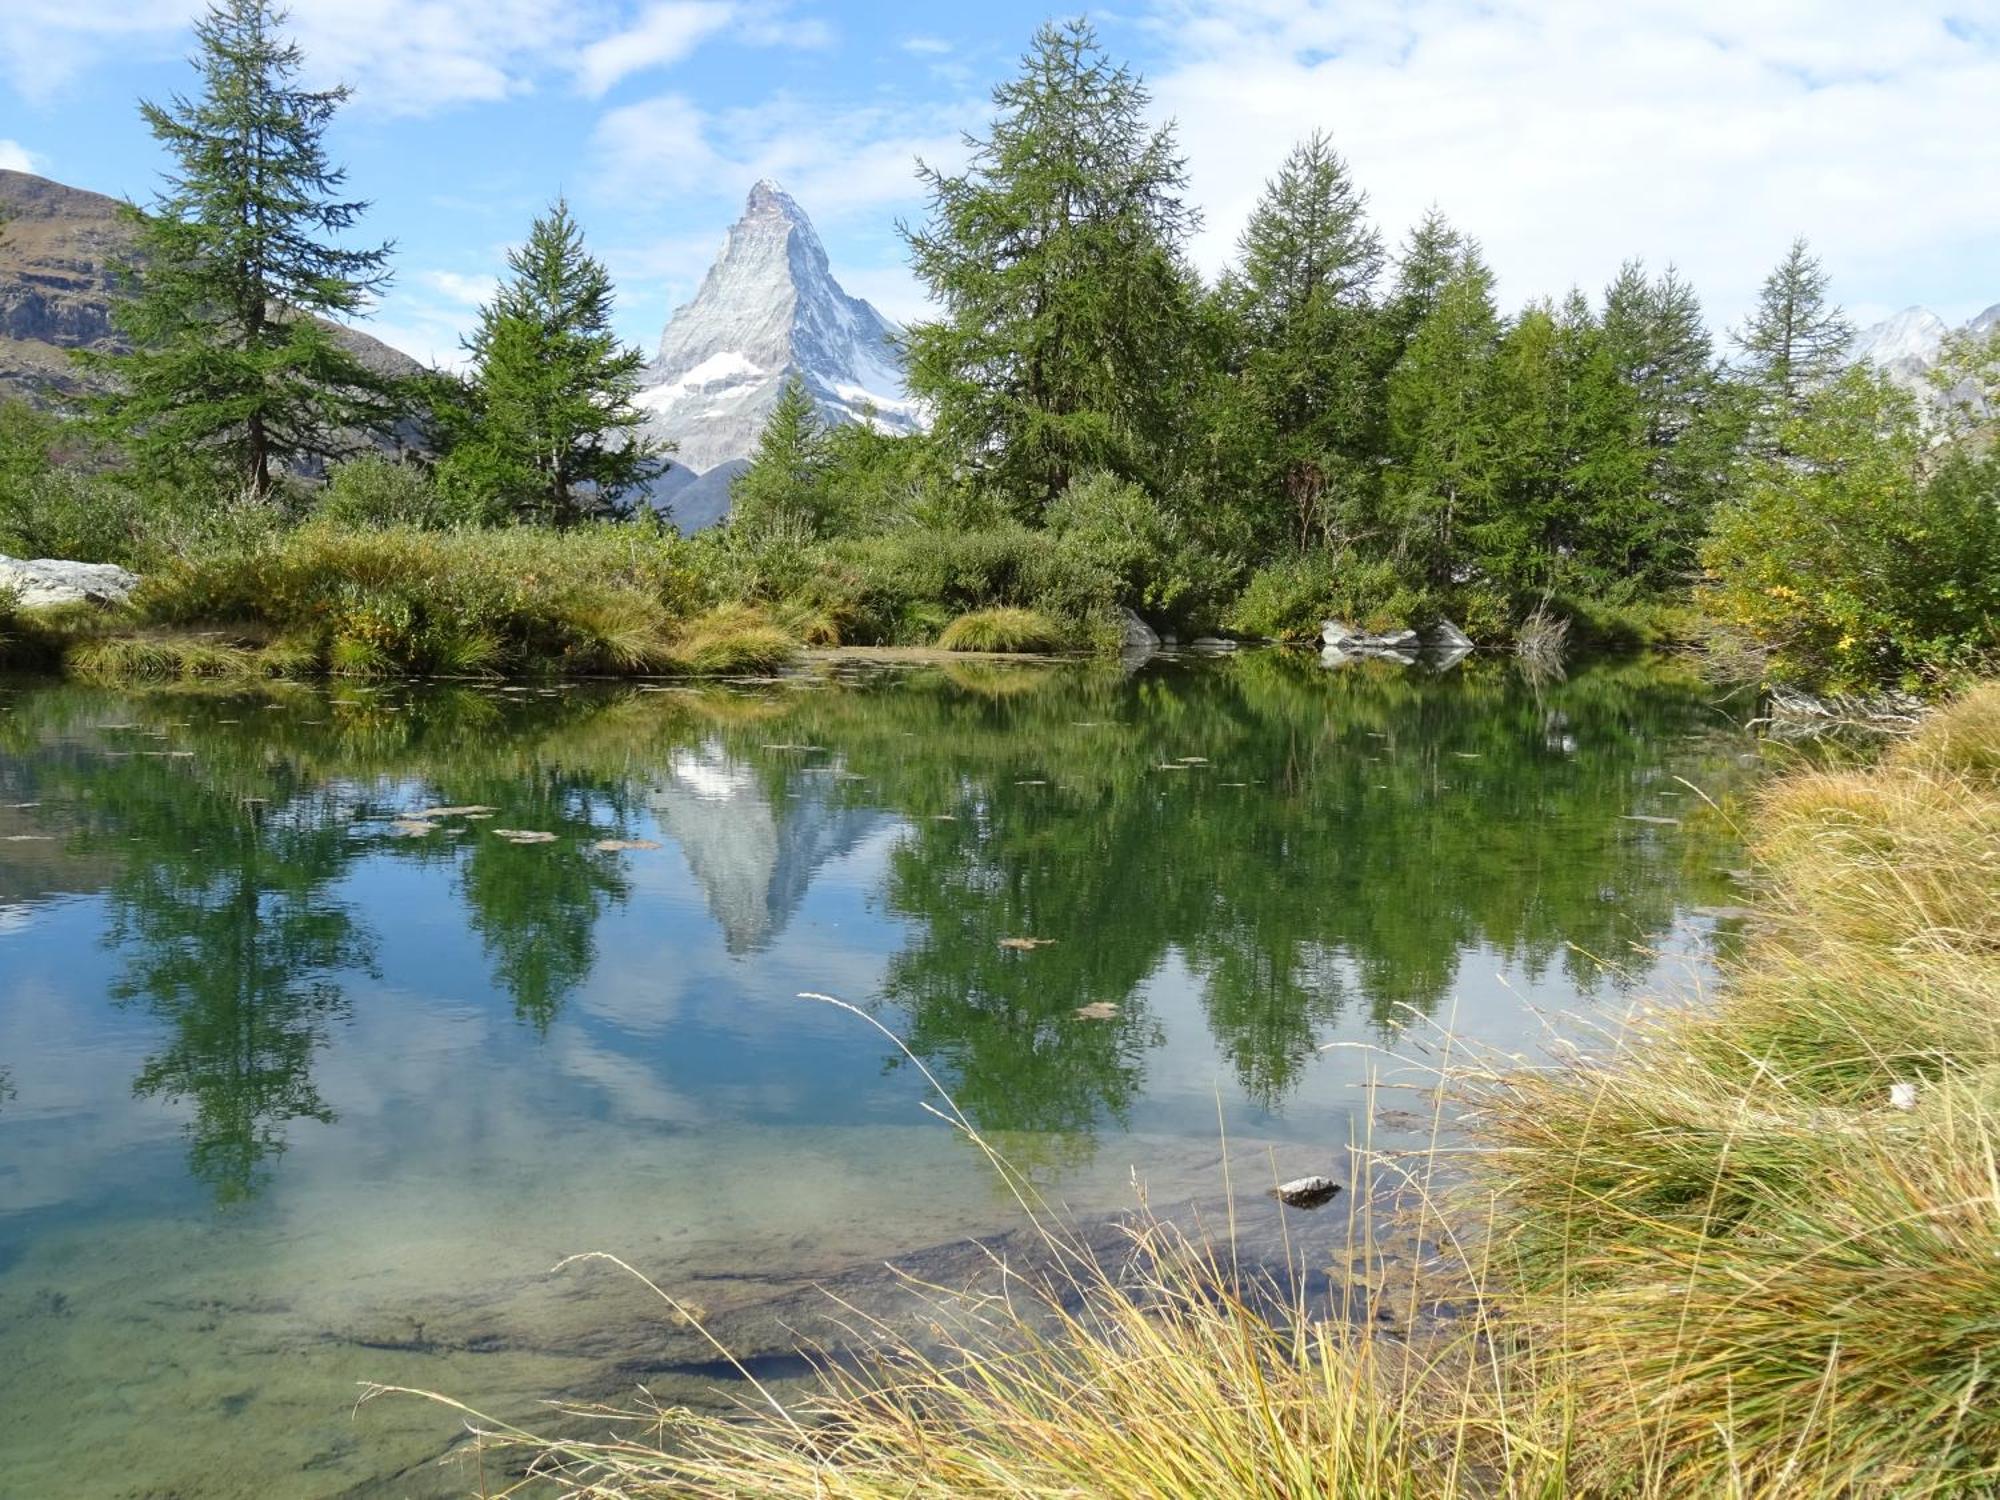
1002, 629
1718, 1258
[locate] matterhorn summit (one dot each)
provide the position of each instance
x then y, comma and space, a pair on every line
768, 309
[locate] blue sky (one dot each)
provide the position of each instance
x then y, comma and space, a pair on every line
1566, 134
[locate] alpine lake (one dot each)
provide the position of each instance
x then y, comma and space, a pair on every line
331, 1018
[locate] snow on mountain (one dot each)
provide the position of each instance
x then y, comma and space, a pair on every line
1914, 336
768, 308
1906, 348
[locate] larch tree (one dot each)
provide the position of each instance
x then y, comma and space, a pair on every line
544, 428
1303, 298
238, 264
1794, 342
1442, 445
1056, 257
784, 491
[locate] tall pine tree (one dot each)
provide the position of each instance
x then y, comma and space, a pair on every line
1659, 346
544, 428
237, 264
1442, 446
1303, 298
1795, 342
1057, 259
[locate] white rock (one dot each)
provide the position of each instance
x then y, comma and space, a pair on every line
1903, 1096
50, 580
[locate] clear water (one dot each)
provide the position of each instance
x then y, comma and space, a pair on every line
292, 1097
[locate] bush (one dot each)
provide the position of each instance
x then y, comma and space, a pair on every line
64, 512
1109, 526
1287, 599
904, 587
1004, 629
374, 490
1851, 562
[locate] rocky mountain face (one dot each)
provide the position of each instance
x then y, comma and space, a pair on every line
60, 249
1908, 346
768, 308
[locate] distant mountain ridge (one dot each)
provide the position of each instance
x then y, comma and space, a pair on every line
769, 308
1907, 347
60, 249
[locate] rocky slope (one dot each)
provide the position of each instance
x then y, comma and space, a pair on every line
768, 308
1907, 347
59, 251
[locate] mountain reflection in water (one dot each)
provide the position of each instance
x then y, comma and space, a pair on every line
292, 1063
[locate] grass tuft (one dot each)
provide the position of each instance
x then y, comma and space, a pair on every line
1003, 629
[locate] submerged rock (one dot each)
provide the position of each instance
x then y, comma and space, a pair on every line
52, 580
1306, 1192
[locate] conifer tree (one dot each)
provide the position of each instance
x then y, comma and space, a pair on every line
1442, 445
545, 428
237, 263
1431, 257
1659, 346
1310, 364
1057, 259
1794, 342
784, 491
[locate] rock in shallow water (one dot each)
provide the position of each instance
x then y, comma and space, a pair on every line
1306, 1192
44, 581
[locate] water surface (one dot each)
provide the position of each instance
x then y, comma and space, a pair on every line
295, 1093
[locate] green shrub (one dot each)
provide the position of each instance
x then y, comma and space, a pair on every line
1850, 560
64, 512
375, 490
1112, 527
1004, 629
1287, 599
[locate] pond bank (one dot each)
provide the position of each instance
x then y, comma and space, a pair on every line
1746, 1249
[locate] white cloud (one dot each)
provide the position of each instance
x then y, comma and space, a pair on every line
666, 33
1568, 135
929, 46
15, 157
410, 57
839, 164
459, 288
656, 148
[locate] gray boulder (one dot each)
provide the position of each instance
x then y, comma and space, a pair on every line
1138, 635
45, 581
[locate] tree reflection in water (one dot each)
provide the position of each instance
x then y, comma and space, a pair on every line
1309, 847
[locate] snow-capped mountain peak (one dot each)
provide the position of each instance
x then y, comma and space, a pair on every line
770, 308
1915, 333
1908, 347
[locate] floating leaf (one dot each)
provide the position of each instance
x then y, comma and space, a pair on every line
1025, 944
1097, 1010
614, 846
524, 836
